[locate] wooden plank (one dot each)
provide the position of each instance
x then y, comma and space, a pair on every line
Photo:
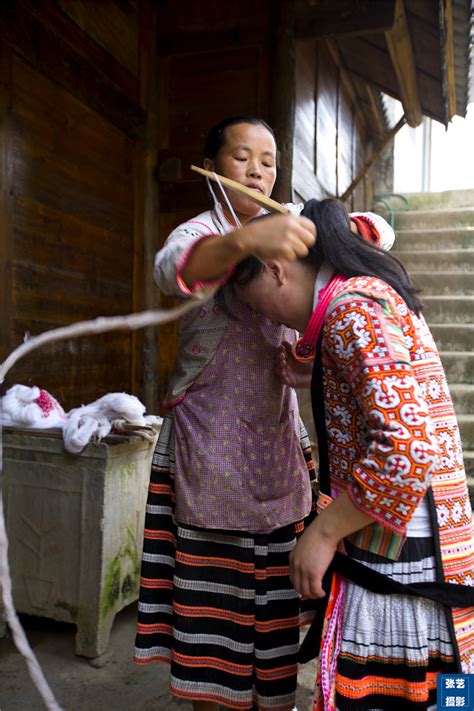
400, 47
342, 18
326, 125
362, 173
71, 235
359, 91
88, 374
370, 63
199, 96
447, 61
190, 27
344, 143
283, 95
426, 46
113, 25
305, 111
427, 12
55, 58
90, 34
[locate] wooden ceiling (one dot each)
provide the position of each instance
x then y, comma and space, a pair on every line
416, 51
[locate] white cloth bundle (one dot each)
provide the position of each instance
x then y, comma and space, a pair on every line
94, 421
23, 406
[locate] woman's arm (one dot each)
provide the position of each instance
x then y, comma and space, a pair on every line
277, 237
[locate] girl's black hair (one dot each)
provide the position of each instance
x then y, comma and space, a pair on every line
349, 254
217, 135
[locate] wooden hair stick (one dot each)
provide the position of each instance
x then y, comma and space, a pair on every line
259, 198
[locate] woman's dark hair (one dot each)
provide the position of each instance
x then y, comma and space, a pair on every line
349, 254
217, 135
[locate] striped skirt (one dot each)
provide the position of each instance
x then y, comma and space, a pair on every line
217, 605
393, 646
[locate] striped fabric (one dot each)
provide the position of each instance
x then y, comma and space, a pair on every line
393, 646
217, 605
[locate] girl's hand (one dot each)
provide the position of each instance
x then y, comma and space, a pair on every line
285, 237
310, 560
292, 372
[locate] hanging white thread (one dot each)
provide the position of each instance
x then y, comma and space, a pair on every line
229, 205
228, 202
82, 328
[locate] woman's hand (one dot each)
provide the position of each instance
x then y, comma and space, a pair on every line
310, 560
292, 372
315, 549
285, 237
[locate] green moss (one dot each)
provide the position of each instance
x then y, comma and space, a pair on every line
127, 586
114, 585
71, 609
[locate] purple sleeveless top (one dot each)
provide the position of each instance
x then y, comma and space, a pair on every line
239, 463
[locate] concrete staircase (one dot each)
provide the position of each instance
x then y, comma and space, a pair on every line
435, 242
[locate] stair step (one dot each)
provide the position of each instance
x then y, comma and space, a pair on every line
468, 456
449, 309
453, 337
462, 395
443, 200
434, 219
443, 282
440, 260
422, 239
466, 427
458, 365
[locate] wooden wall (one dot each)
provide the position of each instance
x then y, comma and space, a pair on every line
331, 136
204, 76
71, 144
102, 117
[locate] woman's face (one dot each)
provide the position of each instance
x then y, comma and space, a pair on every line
248, 157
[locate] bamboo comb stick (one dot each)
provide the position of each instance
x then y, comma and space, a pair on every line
259, 198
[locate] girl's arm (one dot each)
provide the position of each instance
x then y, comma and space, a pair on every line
316, 547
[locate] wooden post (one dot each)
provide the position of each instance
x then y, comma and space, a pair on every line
6, 173
447, 58
389, 137
283, 95
146, 295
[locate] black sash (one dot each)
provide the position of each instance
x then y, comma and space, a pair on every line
448, 594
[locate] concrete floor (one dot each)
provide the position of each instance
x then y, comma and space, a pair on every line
118, 686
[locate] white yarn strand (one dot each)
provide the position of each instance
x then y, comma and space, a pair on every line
75, 330
228, 202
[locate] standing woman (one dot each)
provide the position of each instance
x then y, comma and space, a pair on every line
394, 501
229, 484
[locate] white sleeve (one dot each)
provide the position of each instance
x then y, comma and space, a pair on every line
170, 260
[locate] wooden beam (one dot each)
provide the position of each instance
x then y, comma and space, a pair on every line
343, 18
403, 60
389, 137
447, 58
